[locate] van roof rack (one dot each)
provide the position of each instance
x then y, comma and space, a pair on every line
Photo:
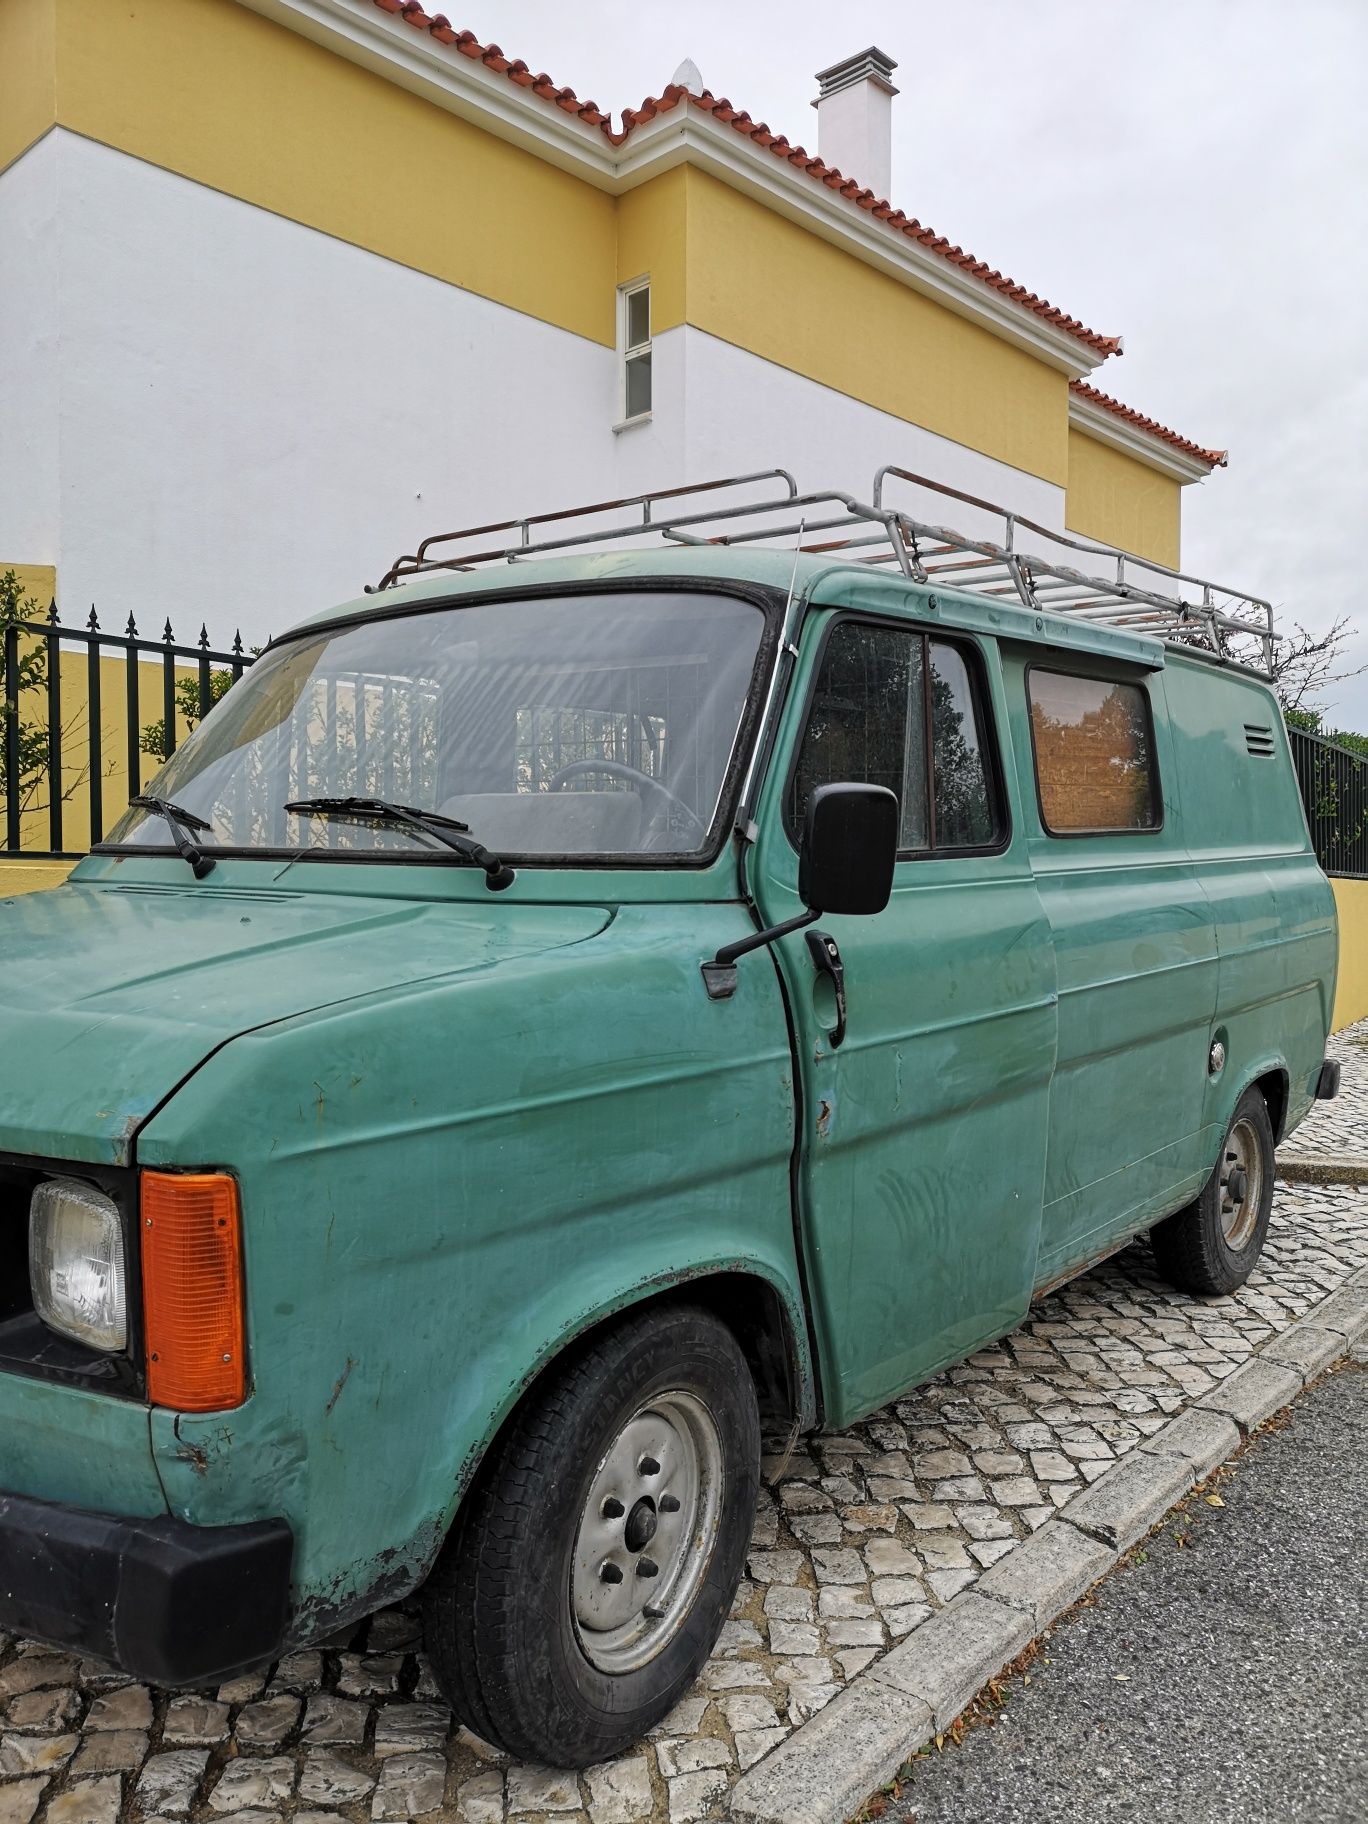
992, 559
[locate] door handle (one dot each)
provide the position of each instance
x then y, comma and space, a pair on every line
826, 959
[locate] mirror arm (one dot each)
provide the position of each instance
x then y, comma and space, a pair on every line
719, 976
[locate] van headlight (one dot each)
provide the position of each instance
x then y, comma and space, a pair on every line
76, 1263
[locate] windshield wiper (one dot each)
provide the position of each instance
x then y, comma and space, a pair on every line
447, 830
178, 821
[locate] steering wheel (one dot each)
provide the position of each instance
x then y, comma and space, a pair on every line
618, 769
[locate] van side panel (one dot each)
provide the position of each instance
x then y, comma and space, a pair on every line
1273, 908
1136, 956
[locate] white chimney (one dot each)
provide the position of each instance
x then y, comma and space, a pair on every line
855, 118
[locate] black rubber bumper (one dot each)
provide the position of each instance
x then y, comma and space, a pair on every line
169, 1603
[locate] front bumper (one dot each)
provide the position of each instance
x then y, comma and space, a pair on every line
167, 1602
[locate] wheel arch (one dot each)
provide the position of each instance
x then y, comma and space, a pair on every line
1275, 1086
760, 1314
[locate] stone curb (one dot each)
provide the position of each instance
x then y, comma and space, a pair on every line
1322, 1168
827, 1768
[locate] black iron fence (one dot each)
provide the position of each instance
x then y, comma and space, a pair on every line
84, 712
1334, 789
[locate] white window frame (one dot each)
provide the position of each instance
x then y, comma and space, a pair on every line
629, 351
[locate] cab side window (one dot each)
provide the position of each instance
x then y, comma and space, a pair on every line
893, 708
1094, 754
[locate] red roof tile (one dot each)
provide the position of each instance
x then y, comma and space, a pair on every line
1214, 459
759, 134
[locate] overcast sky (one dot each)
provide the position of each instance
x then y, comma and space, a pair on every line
1191, 174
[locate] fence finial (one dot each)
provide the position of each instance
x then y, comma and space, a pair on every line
94, 622
237, 643
132, 628
167, 634
204, 636
52, 611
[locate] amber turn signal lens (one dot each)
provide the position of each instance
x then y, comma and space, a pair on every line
192, 1291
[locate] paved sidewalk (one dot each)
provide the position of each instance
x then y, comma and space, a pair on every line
870, 1532
1223, 1680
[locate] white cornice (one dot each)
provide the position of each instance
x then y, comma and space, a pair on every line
363, 33
1097, 422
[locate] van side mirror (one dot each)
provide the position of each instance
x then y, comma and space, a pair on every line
845, 865
849, 848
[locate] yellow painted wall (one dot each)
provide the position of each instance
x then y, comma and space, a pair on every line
37, 582
1351, 996
651, 238
1121, 501
767, 285
28, 79
212, 90
31, 876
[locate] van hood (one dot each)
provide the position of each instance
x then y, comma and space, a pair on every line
111, 995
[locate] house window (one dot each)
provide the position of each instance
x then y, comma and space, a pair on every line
634, 350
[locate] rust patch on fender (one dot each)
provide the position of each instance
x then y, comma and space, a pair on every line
823, 1119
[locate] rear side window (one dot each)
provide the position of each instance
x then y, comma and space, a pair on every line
1094, 754
894, 708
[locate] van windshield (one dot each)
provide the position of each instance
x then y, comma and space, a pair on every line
589, 725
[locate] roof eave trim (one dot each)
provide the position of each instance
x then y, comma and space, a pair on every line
366, 35
1105, 427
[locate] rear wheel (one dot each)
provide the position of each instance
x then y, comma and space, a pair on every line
1211, 1246
593, 1565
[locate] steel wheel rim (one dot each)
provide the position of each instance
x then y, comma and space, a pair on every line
647, 1532
1242, 1173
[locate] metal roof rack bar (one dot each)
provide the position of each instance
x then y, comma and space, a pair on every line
1126, 591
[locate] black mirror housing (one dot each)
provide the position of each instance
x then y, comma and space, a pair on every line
850, 846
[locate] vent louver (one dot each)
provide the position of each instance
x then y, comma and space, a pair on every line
1259, 739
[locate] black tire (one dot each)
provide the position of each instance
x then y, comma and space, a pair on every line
1193, 1249
499, 1619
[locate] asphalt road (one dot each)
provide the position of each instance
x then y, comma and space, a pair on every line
1224, 1681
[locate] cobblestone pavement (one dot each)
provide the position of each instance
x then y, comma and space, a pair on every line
866, 1534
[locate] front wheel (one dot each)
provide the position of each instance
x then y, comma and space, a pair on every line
1211, 1246
594, 1563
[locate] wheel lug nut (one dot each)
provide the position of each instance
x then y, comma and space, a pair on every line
646, 1567
613, 1508
610, 1572
649, 1467
668, 1504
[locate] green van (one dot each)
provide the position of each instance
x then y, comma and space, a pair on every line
558, 1021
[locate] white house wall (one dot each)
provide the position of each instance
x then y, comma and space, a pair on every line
29, 351
222, 416
256, 418
747, 413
